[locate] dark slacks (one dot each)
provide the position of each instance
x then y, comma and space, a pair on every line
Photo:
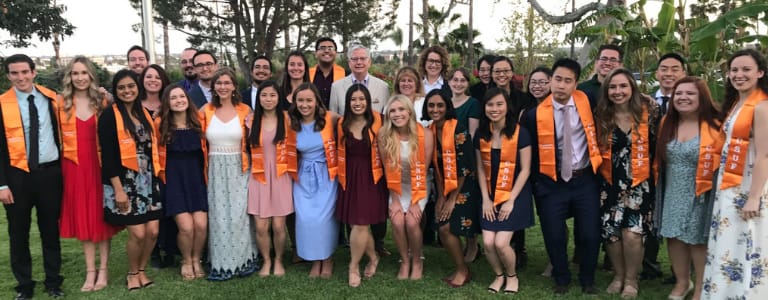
580, 198
41, 189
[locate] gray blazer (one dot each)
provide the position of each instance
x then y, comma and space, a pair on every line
378, 88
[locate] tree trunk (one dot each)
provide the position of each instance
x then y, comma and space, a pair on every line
425, 23
410, 35
166, 45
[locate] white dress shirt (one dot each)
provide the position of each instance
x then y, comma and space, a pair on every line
580, 158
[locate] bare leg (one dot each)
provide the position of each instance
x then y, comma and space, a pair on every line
278, 232
508, 259
134, 248
615, 252
89, 249
358, 241
452, 244
699, 256
401, 241
415, 243
373, 257
198, 243
489, 241
326, 268
184, 239
633, 259
472, 249
315, 271
263, 241
103, 277
150, 238
681, 261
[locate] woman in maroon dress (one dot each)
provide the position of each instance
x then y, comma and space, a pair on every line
81, 210
362, 193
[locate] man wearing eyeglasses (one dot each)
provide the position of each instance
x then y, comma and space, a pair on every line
609, 57
205, 65
188, 68
330, 72
359, 63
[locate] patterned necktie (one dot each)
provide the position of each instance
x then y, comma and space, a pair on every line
566, 159
34, 135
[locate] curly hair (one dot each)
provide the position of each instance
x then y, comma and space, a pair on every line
444, 58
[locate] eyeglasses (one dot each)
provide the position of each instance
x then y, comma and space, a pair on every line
328, 48
186, 61
356, 59
500, 72
434, 61
612, 60
539, 82
205, 65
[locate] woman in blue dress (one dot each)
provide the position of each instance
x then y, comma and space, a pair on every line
314, 194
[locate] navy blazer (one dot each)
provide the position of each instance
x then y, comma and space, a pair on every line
245, 94
197, 96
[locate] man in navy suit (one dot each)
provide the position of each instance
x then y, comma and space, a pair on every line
563, 174
205, 65
261, 70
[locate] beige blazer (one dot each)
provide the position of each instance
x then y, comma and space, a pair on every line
378, 88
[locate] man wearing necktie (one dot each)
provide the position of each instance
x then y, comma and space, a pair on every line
30, 174
563, 170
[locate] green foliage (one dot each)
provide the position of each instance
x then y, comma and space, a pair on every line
24, 19
530, 40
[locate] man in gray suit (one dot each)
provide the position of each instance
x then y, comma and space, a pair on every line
359, 63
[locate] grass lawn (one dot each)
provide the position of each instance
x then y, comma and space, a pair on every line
296, 285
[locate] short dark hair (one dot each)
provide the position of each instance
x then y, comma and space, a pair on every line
258, 57
569, 64
488, 58
501, 58
676, 57
137, 47
18, 58
325, 39
203, 52
609, 47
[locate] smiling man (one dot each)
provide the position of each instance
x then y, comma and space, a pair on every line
359, 63
29, 160
261, 70
205, 65
672, 67
330, 72
188, 68
138, 59
609, 57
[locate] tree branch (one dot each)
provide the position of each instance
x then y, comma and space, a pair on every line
566, 18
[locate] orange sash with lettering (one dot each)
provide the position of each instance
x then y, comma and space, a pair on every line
128, 146
710, 144
641, 165
505, 178
376, 168
448, 145
418, 172
545, 128
163, 153
242, 112
69, 132
285, 154
738, 146
14, 129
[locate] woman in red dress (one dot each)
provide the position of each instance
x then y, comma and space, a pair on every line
81, 210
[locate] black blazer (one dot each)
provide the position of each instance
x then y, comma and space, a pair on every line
246, 95
197, 96
5, 159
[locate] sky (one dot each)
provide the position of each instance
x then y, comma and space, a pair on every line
105, 26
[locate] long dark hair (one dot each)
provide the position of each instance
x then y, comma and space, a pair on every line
163, 79
319, 109
367, 115
510, 119
731, 94
285, 81
258, 113
450, 111
137, 110
708, 112
167, 126
606, 110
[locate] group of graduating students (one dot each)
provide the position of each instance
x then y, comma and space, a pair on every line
696, 176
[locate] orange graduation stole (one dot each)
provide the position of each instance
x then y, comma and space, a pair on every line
738, 145
448, 150
285, 154
163, 153
710, 145
418, 172
506, 174
329, 144
376, 168
242, 113
545, 128
641, 166
14, 129
128, 144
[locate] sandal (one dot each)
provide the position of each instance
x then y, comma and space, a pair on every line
198, 269
187, 272
615, 287
503, 282
145, 284
88, 284
100, 286
370, 268
128, 281
510, 291
354, 278
630, 289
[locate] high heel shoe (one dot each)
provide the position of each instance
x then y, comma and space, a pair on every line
503, 282
510, 291
682, 297
128, 281
145, 284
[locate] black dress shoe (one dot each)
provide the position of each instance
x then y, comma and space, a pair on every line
670, 280
560, 289
23, 296
382, 252
55, 293
589, 290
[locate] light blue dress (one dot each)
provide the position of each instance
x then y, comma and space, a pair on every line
314, 198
